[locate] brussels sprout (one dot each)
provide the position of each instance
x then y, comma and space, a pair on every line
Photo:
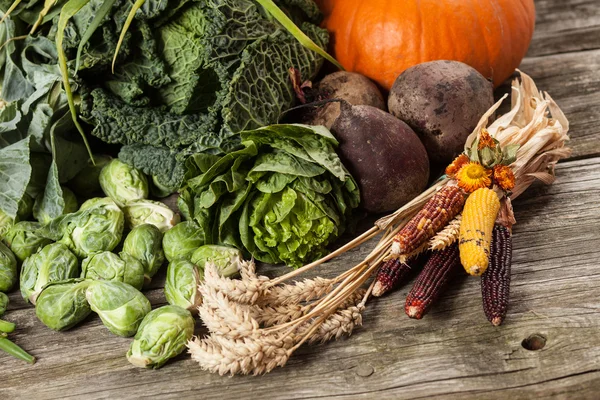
62, 305
94, 229
54, 262
3, 303
41, 213
120, 306
87, 182
144, 242
8, 269
150, 212
25, 207
123, 183
163, 334
181, 285
6, 223
182, 240
24, 239
107, 266
227, 259
97, 202
159, 190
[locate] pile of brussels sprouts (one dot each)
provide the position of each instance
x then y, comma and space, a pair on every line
70, 265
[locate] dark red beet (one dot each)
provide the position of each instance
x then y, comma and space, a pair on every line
383, 154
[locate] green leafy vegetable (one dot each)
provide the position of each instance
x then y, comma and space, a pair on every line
45, 209
144, 242
139, 212
181, 285
62, 305
87, 182
107, 266
23, 239
282, 198
120, 306
97, 227
8, 270
163, 334
3, 303
53, 263
226, 259
183, 239
122, 183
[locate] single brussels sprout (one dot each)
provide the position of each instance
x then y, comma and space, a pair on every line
120, 306
159, 190
24, 239
123, 183
25, 207
87, 182
3, 303
150, 212
62, 305
182, 240
97, 202
6, 223
107, 266
55, 262
227, 259
144, 242
41, 213
8, 269
92, 230
163, 334
181, 285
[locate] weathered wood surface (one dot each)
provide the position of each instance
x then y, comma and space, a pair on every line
453, 352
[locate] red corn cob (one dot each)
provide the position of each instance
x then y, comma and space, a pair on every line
495, 281
389, 276
432, 280
393, 272
435, 214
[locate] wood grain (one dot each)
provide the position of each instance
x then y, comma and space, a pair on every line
564, 26
453, 352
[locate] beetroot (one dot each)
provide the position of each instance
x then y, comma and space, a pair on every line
384, 155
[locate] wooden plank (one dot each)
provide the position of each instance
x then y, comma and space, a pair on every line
565, 26
452, 351
573, 81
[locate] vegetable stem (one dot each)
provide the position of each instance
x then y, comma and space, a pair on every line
136, 6
68, 10
6, 327
289, 25
14, 350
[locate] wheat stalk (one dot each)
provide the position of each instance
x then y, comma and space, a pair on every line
298, 292
245, 291
224, 317
275, 315
446, 236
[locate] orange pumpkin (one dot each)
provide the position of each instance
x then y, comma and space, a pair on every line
382, 38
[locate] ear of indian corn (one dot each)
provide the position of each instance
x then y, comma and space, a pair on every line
495, 281
395, 271
435, 214
432, 280
389, 276
446, 236
479, 214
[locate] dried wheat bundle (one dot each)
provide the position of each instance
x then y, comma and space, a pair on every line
256, 323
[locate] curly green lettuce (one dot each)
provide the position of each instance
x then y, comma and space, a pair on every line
282, 198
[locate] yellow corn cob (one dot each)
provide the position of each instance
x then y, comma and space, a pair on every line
479, 214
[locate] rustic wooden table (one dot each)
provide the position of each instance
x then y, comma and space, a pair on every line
453, 351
